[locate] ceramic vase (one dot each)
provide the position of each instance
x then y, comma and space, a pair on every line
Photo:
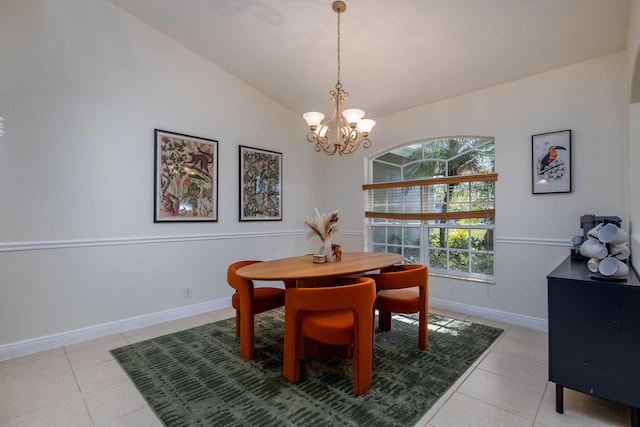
325, 249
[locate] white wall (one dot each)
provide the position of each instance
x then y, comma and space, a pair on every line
82, 87
532, 231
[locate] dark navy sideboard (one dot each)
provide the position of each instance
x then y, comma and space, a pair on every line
594, 335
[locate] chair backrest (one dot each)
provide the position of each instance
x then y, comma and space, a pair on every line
401, 276
359, 295
240, 284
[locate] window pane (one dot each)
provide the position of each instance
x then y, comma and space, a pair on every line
465, 164
459, 261
436, 198
482, 263
458, 207
437, 237
458, 238
486, 158
482, 240
412, 199
412, 236
483, 191
401, 156
394, 235
383, 172
380, 197
438, 149
438, 259
425, 169
378, 234
482, 206
394, 200
460, 192
379, 248
412, 256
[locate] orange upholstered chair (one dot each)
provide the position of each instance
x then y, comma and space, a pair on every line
249, 301
334, 315
395, 296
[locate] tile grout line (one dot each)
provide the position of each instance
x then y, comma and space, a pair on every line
75, 377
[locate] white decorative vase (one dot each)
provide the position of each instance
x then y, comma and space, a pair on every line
325, 249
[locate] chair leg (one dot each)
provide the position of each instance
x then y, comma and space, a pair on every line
384, 320
246, 336
423, 330
291, 349
362, 360
237, 323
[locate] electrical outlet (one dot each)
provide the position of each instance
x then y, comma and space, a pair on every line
187, 292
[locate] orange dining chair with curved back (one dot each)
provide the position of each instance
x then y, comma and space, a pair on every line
395, 294
339, 315
249, 301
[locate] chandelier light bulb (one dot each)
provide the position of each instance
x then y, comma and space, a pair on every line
313, 118
365, 126
353, 115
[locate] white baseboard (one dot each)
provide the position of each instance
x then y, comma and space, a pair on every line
531, 322
23, 348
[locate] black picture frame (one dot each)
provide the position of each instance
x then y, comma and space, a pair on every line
260, 184
551, 162
185, 178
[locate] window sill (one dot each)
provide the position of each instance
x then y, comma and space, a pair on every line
465, 278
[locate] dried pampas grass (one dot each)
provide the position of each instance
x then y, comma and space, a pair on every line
325, 226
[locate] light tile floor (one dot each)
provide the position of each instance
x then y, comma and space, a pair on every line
82, 385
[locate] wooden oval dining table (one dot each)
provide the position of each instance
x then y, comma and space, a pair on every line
307, 273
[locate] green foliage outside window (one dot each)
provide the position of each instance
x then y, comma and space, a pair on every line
459, 258
460, 247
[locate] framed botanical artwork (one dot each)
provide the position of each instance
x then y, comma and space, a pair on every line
186, 178
551, 162
260, 185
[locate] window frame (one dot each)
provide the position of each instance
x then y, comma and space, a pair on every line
386, 212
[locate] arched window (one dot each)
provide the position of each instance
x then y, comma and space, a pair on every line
433, 202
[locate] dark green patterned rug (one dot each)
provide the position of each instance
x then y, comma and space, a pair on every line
196, 377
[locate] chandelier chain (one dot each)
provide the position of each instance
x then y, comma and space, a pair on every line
338, 85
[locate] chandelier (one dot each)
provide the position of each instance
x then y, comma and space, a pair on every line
345, 130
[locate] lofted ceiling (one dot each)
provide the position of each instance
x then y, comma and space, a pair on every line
394, 54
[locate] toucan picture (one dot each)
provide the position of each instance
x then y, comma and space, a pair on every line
551, 155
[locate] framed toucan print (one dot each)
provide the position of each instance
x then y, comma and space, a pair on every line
551, 162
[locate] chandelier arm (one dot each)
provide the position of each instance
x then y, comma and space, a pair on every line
352, 146
312, 137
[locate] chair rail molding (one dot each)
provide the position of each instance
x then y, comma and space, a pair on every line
80, 243
63, 244
536, 241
